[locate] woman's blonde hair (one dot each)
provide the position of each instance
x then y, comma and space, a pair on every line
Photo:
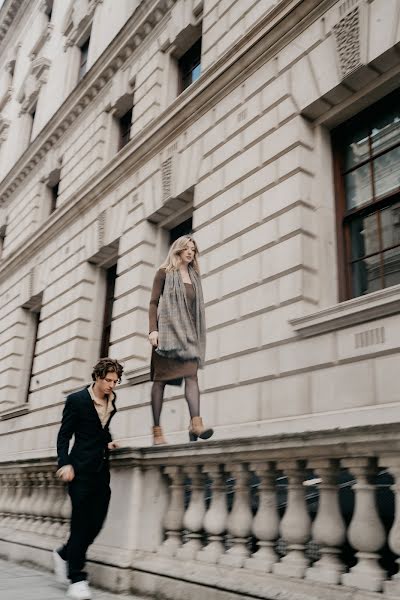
174, 261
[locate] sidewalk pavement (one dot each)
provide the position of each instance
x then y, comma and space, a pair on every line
23, 583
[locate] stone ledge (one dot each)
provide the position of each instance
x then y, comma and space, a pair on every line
376, 305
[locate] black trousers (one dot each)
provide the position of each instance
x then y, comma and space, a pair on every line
90, 497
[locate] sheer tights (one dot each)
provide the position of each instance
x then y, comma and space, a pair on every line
192, 395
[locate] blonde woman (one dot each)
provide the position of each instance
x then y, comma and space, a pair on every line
178, 333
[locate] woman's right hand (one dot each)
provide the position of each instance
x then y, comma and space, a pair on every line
153, 338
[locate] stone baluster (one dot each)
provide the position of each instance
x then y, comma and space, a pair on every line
295, 527
173, 521
266, 522
38, 498
328, 528
3, 496
24, 502
28, 510
216, 516
366, 533
240, 518
11, 490
61, 498
194, 514
392, 463
50, 509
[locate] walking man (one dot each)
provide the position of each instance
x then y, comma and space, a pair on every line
86, 416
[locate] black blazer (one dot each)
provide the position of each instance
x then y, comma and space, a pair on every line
80, 419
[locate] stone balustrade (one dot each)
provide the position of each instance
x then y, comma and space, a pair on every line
317, 515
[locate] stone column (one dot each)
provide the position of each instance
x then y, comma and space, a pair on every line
194, 515
24, 503
392, 463
216, 516
328, 528
240, 518
295, 527
366, 533
9, 503
265, 525
173, 522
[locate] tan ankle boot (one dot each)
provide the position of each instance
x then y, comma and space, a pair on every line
158, 436
197, 430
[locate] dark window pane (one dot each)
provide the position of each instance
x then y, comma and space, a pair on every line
356, 147
386, 130
54, 197
125, 124
184, 228
364, 236
108, 310
190, 65
391, 267
390, 224
358, 187
366, 275
84, 58
387, 173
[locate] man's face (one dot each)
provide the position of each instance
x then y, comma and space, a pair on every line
107, 384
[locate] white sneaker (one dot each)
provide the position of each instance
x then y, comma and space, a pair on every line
60, 568
79, 590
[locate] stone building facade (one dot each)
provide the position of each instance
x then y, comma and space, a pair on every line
269, 128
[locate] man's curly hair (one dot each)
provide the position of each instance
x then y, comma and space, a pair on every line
107, 365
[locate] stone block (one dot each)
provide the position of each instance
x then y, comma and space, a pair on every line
275, 325
383, 22
222, 311
225, 152
260, 78
258, 237
285, 397
211, 287
306, 354
223, 255
242, 165
342, 387
324, 64
246, 113
260, 128
297, 218
258, 298
259, 180
304, 42
237, 405
224, 373
286, 193
386, 371
241, 274
257, 365
380, 335
239, 337
241, 218
299, 158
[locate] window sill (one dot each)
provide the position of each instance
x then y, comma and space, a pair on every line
352, 312
15, 411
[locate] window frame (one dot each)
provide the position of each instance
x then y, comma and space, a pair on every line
83, 58
189, 58
124, 130
345, 216
110, 278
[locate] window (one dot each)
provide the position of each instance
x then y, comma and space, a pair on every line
84, 58
32, 115
111, 275
184, 228
48, 9
125, 123
190, 66
54, 196
35, 318
367, 177
3, 229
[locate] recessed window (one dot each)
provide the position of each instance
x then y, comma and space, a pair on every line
184, 228
111, 276
84, 58
125, 124
32, 338
32, 115
190, 66
367, 159
48, 9
54, 192
3, 229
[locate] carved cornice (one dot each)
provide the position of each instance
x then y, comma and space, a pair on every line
9, 11
257, 46
30, 88
45, 35
140, 25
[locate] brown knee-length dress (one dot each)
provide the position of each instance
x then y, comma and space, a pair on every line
170, 370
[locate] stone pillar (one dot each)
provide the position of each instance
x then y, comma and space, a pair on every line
173, 521
24, 503
366, 533
9, 503
194, 515
266, 522
37, 500
240, 518
295, 526
328, 528
216, 516
392, 463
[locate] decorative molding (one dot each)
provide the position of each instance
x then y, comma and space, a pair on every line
4, 127
376, 305
9, 15
78, 20
45, 35
348, 36
167, 178
33, 82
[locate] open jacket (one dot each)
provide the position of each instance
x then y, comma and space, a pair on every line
80, 419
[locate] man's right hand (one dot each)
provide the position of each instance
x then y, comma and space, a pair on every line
66, 473
153, 338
